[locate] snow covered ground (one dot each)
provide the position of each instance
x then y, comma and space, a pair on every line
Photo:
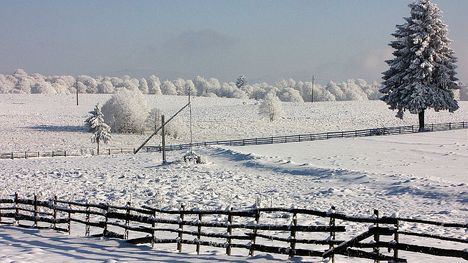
416, 175
44, 123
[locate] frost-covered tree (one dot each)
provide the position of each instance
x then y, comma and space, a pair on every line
168, 88
101, 133
173, 128
95, 123
271, 107
422, 72
241, 82
143, 86
126, 111
154, 85
92, 121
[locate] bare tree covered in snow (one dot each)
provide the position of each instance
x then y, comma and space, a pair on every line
422, 73
173, 128
271, 107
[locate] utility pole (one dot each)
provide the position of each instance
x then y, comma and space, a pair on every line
163, 133
191, 133
312, 89
76, 96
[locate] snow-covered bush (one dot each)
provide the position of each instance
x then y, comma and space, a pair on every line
126, 111
271, 107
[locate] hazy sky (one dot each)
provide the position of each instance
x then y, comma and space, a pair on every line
265, 40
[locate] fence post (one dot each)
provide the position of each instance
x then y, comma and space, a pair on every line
153, 225
55, 211
35, 210
229, 233
412, 128
376, 236
87, 220
25, 155
463, 124
127, 220
104, 231
332, 232
69, 218
450, 125
254, 236
52, 153
292, 238
16, 209
397, 240
199, 233
12, 155
181, 228
432, 127
65, 152
109, 151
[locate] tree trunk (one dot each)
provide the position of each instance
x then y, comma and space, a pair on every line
97, 146
421, 120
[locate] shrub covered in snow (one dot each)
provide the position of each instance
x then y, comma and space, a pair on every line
126, 111
271, 107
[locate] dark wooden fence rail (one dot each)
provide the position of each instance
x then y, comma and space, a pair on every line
241, 142
316, 136
238, 229
64, 153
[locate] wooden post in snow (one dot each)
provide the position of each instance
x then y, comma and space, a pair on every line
332, 232
199, 233
229, 233
376, 236
163, 139
181, 228
292, 237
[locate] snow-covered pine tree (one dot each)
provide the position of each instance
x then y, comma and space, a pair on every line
241, 81
422, 72
97, 125
92, 121
271, 107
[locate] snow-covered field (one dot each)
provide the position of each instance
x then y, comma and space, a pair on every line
416, 175
44, 123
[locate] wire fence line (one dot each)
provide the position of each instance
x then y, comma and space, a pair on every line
243, 142
286, 231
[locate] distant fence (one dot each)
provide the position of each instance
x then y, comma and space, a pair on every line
316, 136
64, 153
243, 142
242, 230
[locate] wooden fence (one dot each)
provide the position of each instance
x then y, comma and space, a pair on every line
64, 153
316, 136
242, 142
240, 230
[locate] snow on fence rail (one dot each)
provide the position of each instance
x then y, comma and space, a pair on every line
230, 229
64, 153
243, 142
317, 136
